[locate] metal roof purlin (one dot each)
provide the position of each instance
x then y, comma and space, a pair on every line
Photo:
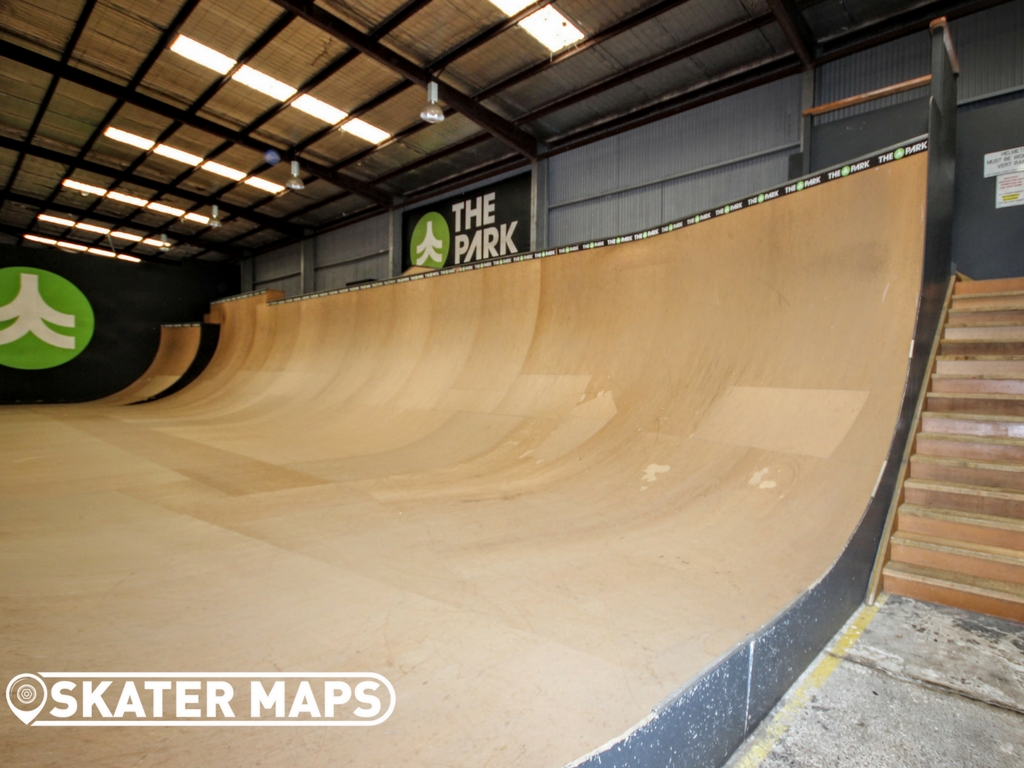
796, 29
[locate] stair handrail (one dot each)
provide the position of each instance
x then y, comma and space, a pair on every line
883, 555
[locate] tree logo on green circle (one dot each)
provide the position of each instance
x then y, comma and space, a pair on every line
430, 241
846, 170
45, 321
899, 153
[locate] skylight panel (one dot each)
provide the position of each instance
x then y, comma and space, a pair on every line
365, 131
153, 242
79, 186
170, 211
512, 7
263, 83
127, 236
197, 217
200, 54
128, 138
266, 186
38, 239
123, 198
551, 28
71, 246
177, 154
126, 257
92, 228
102, 252
223, 170
316, 108
55, 220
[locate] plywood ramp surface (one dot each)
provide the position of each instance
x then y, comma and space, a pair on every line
177, 350
537, 497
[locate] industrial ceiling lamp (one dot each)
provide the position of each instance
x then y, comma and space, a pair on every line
294, 183
432, 113
165, 244
215, 217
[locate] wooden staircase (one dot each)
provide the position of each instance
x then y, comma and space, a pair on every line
958, 534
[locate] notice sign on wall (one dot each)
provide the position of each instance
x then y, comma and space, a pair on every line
1007, 161
486, 223
1009, 190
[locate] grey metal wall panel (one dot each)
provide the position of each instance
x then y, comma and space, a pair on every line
588, 170
589, 220
374, 267
283, 262
893, 62
990, 46
353, 242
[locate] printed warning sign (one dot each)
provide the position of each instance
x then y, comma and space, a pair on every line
1009, 190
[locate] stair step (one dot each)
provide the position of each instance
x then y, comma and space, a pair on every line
964, 497
964, 287
980, 424
996, 385
982, 347
998, 449
980, 560
966, 318
985, 333
976, 403
956, 525
996, 598
995, 300
981, 365
1009, 477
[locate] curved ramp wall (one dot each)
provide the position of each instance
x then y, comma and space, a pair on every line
635, 456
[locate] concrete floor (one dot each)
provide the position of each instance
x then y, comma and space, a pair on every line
919, 685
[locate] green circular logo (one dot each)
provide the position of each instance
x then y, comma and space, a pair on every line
760, 198
45, 321
846, 170
899, 153
799, 186
430, 242
728, 208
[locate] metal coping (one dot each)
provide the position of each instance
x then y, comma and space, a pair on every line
180, 325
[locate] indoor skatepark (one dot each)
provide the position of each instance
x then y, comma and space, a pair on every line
553, 499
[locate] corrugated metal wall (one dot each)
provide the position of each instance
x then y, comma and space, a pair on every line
354, 253
676, 166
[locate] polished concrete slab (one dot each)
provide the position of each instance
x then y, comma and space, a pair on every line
920, 685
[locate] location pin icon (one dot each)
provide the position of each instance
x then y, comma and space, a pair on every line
22, 692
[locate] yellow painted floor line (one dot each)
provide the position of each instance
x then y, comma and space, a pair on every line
812, 682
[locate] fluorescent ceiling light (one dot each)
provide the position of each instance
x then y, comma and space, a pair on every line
200, 54
154, 243
123, 198
263, 83
551, 28
197, 217
93, 228
55, 220
365, 131
72, 246
223, 170
128, 138
266, 186
512, 7
127, 236
84, 187
101, 252
176, 154
126, 257
170, 211
317, 108
38, 239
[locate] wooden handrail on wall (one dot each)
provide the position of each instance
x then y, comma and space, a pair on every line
852, 101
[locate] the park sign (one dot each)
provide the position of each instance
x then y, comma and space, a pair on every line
485, 223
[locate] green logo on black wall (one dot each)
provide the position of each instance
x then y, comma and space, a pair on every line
45, 321
430, 241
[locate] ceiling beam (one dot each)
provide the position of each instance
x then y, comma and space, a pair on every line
501, 128
141, 181
114, 222
129, 96
796, 29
